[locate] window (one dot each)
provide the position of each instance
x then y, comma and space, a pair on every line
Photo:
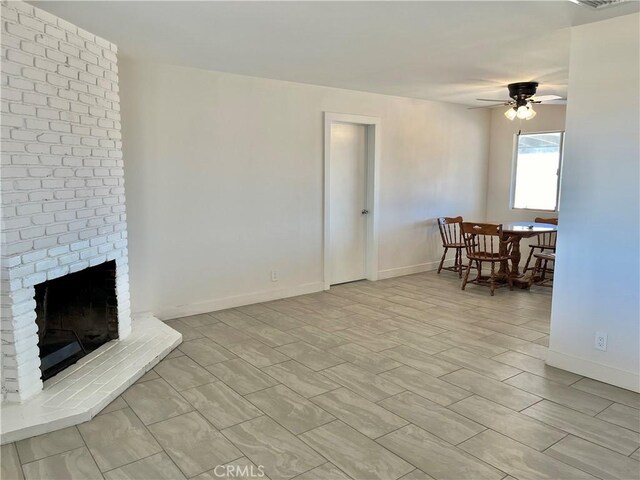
536, 171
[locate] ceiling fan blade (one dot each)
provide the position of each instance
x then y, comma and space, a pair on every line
492, 100
488, 106
545, 98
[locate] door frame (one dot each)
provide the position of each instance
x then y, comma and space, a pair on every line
372, 128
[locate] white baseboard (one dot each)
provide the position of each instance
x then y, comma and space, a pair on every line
411, 269
597, 371
169, 312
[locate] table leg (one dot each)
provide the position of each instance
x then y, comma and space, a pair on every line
515, 256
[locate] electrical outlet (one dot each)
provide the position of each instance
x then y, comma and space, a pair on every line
601, 341
274, 276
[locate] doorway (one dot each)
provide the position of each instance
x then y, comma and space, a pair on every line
350, 243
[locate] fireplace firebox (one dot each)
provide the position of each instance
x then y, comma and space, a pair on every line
76, 314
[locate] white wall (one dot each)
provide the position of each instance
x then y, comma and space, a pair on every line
503, 131
224, 179
597, 274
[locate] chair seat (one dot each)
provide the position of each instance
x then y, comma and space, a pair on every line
545, 256
488, 257
453, 245
544, 247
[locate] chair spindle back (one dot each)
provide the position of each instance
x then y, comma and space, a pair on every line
547, 239
450, 231
483, 240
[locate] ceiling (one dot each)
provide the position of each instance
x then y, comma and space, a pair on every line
453, 51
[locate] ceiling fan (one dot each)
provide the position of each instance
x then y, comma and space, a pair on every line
522, 99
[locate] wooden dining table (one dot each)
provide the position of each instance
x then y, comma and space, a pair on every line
516, 231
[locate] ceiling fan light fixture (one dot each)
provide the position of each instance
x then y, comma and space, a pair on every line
510, 114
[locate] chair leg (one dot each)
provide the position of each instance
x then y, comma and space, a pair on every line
492, 279
460, 267
544, 271
536, 269
526, 265
466, 275
442, 259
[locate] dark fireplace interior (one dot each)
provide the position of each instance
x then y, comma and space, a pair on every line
76, 314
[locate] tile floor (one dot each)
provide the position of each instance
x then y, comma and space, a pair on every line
407, 378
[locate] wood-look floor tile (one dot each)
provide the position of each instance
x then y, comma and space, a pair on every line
470, 344
52, 443
241, 376
292, 411
513, 330
188, 333
155, 467
199, 320
636, 455
422, 361
301, 379
537, 367
364, 383
268, 444
182, 373
502, 340
585, 426
486, 387
205, 351
360, 413
485, 366
622, 415
615, 394
310, 356
414, 340
270, 336
435, 419
437, 457
117, 438
155, 400
596, 460
417, 475
557, 393
175, 353
219, 404
257, 353
117, 404
507, 422
235, 318
518, 460
72, 465
357, 455
10, 468
366, 339
327, 471
150, 375
364, 358
429, 387
197, 451
317, 337
223, 334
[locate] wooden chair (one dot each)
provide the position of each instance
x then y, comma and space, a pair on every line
540, 270
485, 243
451, 233
546, 241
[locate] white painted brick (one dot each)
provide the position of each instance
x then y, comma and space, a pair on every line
62, 174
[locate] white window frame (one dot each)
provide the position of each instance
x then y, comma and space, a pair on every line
514, 167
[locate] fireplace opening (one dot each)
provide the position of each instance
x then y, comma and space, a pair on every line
76, 314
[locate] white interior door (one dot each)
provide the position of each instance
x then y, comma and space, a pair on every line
348, 190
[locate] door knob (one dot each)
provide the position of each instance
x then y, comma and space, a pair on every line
365, 211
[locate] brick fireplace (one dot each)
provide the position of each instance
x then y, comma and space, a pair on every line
63, 198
